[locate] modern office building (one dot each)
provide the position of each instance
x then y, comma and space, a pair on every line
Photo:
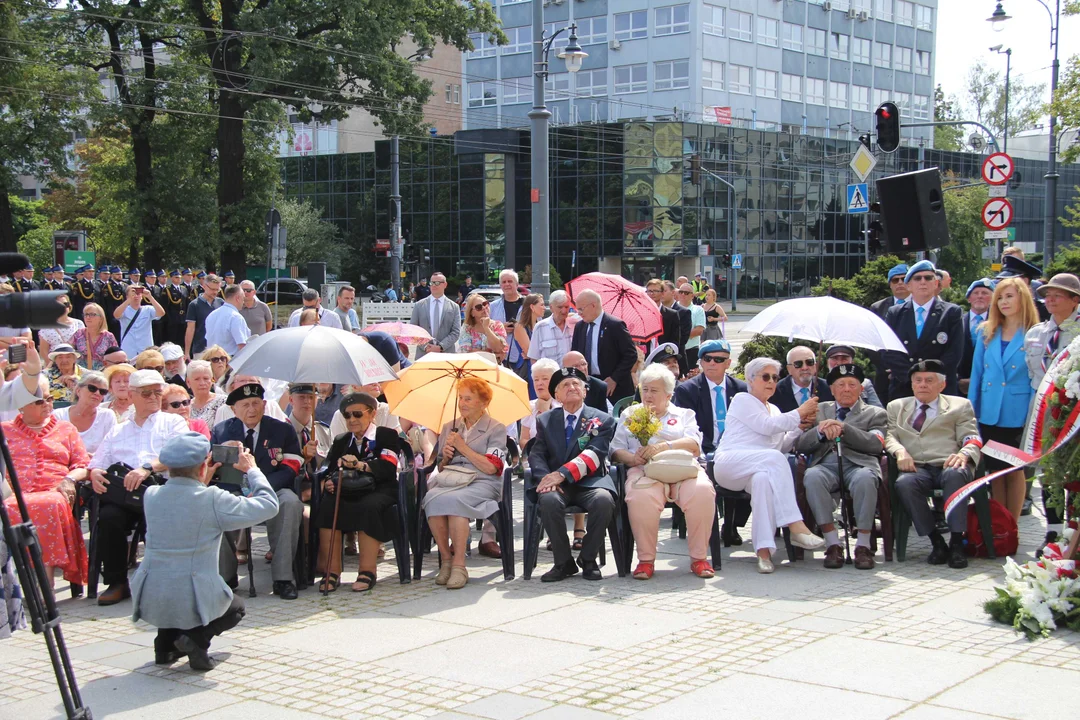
818, 67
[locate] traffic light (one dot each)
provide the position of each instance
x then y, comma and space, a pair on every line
888, 127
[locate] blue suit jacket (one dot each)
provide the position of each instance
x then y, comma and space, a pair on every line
551, 453
942, 339
275, 435
1000, 389
694, 395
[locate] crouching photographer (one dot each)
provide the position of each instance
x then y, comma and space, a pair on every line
177, 587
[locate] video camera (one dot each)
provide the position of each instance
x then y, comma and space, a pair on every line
36, 309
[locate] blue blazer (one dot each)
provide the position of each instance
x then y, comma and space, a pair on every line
1000, 389
694, 395
277, 449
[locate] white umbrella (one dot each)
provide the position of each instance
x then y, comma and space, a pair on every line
312, 354
825, 320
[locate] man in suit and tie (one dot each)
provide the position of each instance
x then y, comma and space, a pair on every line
860, 431
899, 290
935, 440
979, 294
929, 327
569, 465
686, 321
606, 344
709, 394
669, 317
802, 382
277, 453
440, 316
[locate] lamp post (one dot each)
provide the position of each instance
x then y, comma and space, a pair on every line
574, 56
1008, 69
316, 109
998, 17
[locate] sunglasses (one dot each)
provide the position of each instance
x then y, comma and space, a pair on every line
159, 368
249, 291
797, 364
177, 404
770, 377
350, 414
438, 282
153, 392
219, 360
896, 280
685, 292
99, 390
715, 359
924, 278
43, 401
86, 315
480, 306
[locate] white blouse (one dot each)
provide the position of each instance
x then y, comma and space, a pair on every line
104, 421
755, 425
676, 424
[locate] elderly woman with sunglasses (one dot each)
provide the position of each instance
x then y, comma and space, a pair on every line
752, 457
64, 373
205, 402
87, 415
50, 338
94, 338
176, 401
480, 333
219, 362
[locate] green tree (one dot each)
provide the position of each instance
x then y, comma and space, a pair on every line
1066, 260
310, 238
962, 257
1066, 104
866, 287
984, 100
946, 137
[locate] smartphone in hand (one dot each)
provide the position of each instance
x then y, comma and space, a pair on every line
225, 454
16, 354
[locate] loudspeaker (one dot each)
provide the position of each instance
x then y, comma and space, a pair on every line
913, 210
316, 275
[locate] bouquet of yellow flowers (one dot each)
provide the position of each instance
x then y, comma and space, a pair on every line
642, 423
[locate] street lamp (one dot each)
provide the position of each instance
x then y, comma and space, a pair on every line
573, 56
316, 108
1008, 68
997, 18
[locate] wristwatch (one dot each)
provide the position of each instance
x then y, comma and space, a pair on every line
148, 467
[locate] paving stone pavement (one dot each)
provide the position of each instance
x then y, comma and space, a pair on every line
906, 640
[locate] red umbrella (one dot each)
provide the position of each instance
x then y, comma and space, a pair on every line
624, 300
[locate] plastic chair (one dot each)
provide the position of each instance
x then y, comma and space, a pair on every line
621, 405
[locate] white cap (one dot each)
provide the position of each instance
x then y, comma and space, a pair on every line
145, 378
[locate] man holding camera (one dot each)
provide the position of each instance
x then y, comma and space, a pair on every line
185, 520
137, 320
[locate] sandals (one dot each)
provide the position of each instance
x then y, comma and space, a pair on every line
330, 583
459, 576
702, 568
644, 571
578, 540
365, 580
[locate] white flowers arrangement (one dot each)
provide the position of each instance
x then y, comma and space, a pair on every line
1039, 596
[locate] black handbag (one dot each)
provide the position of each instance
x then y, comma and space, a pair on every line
353, 485
116, 494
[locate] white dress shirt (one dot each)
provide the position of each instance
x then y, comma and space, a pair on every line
135, 444
593, 358
927, 307
550, 341
326, 318
755, 425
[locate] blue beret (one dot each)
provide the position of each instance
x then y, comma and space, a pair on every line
900, 270
185, 450
921, 266
980, 283
84, 268
175, 273
711, 346
114, 269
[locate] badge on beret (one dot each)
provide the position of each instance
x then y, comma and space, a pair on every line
942, 338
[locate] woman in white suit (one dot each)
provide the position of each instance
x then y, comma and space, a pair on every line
752, 456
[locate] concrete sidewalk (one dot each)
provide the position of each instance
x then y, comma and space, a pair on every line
905, 640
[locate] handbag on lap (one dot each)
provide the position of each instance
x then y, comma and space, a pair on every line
672, 466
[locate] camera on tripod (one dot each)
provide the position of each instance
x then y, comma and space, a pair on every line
35, 309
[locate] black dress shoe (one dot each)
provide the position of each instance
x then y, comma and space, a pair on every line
590, 570
285, 589
198, 658
560, 572
957, 556
730, 536
166, 654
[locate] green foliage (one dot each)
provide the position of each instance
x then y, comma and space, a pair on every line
962, 257
946, 137
310, 238
37, 244
868, 285
1066, 104
984, 100
26, 215
554, 278
1066, 260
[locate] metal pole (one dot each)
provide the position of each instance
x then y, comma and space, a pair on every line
733, 204
395, 223
1008, 69
1052, 174
539, 116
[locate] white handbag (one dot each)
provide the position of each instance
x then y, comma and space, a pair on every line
454, 476
672, 466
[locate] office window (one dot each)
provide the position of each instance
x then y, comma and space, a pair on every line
883, 10
902, 56
739, 79
860, 50
815, 91
512, 2
791, 87
518, 91
592, 82
881, 96
741, 26
766, 83
838, 95
712, 75
671, 75
520, 40
903, 101
556, 85
672, 20
457, 94
631, 79
921, 107
838, 46
592, 30
768, 32
922, 62
449, 93
482, 94
924, 17
860, 98
712, 20
793, 36
482, 46
815, 41
632, 25
883, 55
905, 12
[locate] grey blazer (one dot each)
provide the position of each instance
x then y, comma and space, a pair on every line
863, 439
178, 584
446, 334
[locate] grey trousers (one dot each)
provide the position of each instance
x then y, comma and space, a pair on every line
283, 531
914, 488
822, 480
599, 503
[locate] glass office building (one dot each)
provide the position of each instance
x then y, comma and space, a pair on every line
626, 198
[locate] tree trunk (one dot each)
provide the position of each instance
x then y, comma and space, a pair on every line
149, 222
7, 222
230, 189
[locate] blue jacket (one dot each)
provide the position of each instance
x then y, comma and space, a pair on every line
1000, 389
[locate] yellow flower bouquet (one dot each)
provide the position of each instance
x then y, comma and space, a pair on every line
642, 423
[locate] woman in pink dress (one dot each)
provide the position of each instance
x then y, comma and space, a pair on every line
479, 333
49, 459
94, 339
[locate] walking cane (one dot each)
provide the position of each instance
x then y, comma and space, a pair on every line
333, 545
843, 502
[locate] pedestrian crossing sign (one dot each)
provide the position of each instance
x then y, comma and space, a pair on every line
857, 198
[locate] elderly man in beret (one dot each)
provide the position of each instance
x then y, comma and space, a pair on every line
899, 290
850, 427
935, 440
568, 462
277, 453
845, 355
185, 520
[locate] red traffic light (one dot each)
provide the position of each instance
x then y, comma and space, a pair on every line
888, 127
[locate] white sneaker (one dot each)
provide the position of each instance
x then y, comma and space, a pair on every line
807, 541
